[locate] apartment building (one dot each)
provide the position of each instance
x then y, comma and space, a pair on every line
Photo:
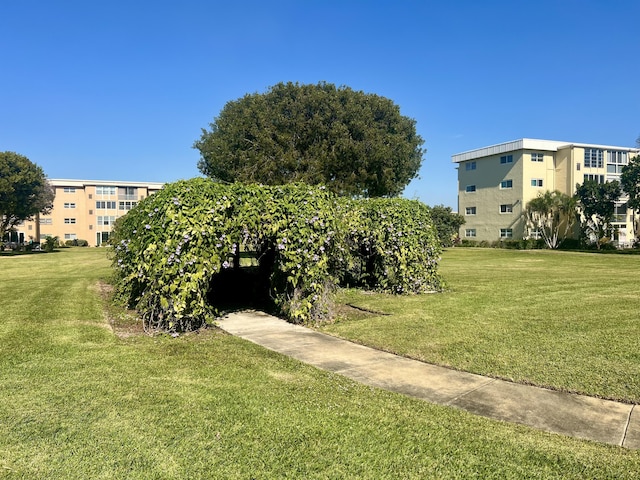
495, 183
84, 210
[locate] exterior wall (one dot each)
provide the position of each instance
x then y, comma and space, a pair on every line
490, 195
537, 166
85, 210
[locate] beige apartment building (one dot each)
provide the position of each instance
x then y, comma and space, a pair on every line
84, 210
495, 183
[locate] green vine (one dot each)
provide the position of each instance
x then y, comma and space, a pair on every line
167, 250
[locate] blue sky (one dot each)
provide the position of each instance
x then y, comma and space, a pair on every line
120, 90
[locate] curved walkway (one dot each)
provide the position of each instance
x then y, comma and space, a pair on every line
563, 413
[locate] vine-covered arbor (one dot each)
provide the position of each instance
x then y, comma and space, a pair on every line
172, 248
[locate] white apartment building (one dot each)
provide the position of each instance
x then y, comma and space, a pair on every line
495, 183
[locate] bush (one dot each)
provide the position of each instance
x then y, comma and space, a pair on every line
170, 247
76, 242
50, 243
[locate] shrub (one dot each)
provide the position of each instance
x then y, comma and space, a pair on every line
169, 248
50, 243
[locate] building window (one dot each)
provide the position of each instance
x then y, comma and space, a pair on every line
593, 158
70, 236
470, 165
536, 182
506, 159
70, 221
101, 204
46, 221
506, 233
90, 227
470, 232
30, 227
126, 205
69, 189
614, 156
470, 188
537, 157
535, 234
105, 190
506, 208
69, 205
578, 166
506, 184
594, 178
106, 220
470, 211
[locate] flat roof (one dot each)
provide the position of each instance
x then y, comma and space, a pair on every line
530, 144
61, 182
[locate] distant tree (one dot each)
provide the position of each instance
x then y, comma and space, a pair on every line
596, 203
357, 144
24, 191
553, 214
630, 182
447, 224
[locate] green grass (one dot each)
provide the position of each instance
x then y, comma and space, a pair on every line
564, 320
77, 401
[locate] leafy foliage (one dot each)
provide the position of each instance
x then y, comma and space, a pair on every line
596, 203
356, 144
168, 249
553, 214
24, 190
447, 224
630, 182
390, 245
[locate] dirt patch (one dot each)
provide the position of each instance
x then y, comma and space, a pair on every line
124, 323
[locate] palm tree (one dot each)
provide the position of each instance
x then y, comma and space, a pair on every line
553, 214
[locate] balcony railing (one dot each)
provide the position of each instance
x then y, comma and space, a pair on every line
128, 197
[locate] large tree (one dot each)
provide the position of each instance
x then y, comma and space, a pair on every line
596, 203
553, 214
357, 144
24, 191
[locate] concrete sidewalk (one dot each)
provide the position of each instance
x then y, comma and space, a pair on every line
567, 414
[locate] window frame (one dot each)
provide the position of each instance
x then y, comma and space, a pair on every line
506, 184
506, 208
470, 211
537, 182
470, 189
506, 233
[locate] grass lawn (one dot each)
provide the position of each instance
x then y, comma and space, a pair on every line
77, 401
569, 321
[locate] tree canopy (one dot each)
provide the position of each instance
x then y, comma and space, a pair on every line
24, 190
597, 207
447, 224
355, 143
630, 181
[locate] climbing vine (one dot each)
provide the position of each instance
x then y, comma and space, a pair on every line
169, 248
